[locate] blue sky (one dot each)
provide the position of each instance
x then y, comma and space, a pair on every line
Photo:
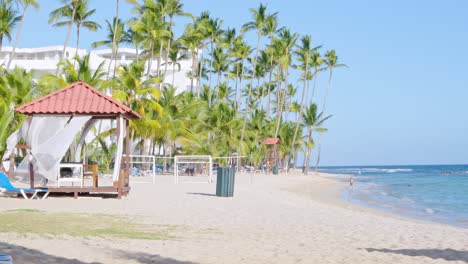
403, 99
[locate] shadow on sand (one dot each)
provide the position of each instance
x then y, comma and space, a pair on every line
446, 254
145, 258
202, 194
25, 255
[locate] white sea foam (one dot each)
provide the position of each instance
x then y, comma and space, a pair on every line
406, 199
429, 211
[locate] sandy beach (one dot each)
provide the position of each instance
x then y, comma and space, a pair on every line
271, 219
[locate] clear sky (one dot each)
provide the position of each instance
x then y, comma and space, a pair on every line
404, 97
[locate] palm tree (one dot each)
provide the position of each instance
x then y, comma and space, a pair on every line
176, 54
331, 60
174, 8
192, 39
25, 4
115, 37
316, 62
313, 122
220, 63
71, 71
304, 56
8, 21
74, 13
259, 18
283, 46
271, 28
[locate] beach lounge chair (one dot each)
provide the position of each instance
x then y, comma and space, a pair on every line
6, 184
6, 259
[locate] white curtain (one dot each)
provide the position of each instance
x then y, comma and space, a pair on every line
49, 138
118, 156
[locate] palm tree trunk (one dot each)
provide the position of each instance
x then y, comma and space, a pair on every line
200, 72
282, 98
173, 73
323, 111
193, 71
211, 61
70, 27
18, 33
236, 85
249, 96
304, 92
115, 45
309, 152
168, 46
219, 87
150, 62
77, 39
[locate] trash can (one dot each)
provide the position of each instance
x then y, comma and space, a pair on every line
5, 259
275, 170
225, 182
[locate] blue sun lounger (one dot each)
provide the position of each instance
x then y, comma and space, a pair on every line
6, 184
5, 259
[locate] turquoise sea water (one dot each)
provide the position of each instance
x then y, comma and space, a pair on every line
434, 192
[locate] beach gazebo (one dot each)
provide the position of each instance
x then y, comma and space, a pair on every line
55, 121
272, 153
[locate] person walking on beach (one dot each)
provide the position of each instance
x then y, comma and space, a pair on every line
351, 183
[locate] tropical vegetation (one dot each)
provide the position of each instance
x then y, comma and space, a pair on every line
241, 92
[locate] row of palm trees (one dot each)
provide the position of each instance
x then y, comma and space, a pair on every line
240, 92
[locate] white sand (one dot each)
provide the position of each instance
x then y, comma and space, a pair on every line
275, 219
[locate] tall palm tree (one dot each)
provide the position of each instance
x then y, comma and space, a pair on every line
26, 4
304, 56
284, 46
192, 39
313, 122
174, 8
176, 54
259, 18
331, 61
116, 35
220, 63
271, 28
8, 20
77, 13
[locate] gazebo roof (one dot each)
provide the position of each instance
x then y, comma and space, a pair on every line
271, 141
79, 98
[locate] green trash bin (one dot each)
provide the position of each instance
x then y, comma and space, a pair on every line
275, 170
225, 182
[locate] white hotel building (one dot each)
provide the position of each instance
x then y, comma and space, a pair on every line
44, 60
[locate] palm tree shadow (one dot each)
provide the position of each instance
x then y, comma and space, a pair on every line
145, 258
446, 254
27, 255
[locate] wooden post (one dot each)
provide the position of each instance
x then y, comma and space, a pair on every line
127, 151
31, 175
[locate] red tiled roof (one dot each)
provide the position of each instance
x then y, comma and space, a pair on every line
271, 141
77, 98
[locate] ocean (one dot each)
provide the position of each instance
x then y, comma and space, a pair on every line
436, 193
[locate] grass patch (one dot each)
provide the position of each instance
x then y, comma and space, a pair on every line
27, 221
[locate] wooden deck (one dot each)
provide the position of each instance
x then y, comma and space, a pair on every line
121, 191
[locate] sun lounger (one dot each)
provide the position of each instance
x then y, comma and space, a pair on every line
6, 259
6, 184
